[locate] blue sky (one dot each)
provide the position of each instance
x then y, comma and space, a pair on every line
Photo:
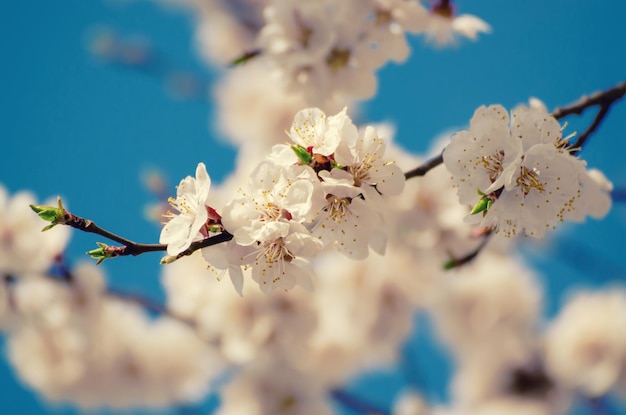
76, 128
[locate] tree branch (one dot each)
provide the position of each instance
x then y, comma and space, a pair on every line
591, 129
425, 167
469, 257
133, 248
603, 99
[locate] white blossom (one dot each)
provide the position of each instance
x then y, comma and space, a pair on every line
346, 221
277, 197
544, 188
279, 262
362, 156
186, 226
312, 129
586, 344
269, 222
521, 175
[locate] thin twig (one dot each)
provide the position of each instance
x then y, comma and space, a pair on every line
352, 402
602, 99
594, 125
133, 248
425, 167
469, 257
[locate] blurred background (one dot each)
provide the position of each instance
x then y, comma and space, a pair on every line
87, 128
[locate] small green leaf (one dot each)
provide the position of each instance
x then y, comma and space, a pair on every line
481, 206
245, 58
450, 264
101, 253
54, 215
303, 155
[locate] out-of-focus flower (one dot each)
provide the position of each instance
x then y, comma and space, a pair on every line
76, 344
443, 26
494, 300
24, 249
586, 344
273, 389
410, 403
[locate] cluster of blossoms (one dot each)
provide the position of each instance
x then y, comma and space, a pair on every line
327, 50
325, 189
331, 190
520, 174
72, 341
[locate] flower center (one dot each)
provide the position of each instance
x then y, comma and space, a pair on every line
361, 173
338, 208
180, 204
493, 164
528, 180
271, 212
276, 251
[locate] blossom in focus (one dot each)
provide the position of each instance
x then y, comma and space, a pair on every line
275, 197
519, 173
188, 224
268, 222
325, 190
280, 263
362, 156
313, 130
346, 220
